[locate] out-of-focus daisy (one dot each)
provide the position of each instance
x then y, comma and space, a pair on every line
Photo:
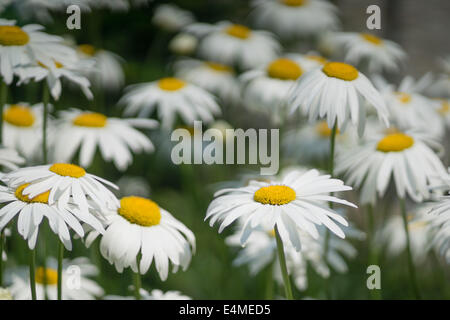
10, 159
54, 72
133, 185
379, 54
296, 201
170, 97
65, 185
76, 283
237, 45
141, 227
337, 91
442, 107
5, 294
183, 44
441, 86
157, 294
7, 233
217, 78
22, 128
113, 5
171, 18
108, 73
295, 18
404, 156
29, 44
266, 88
85, 131
42, 10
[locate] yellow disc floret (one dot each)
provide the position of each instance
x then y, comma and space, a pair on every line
171, 84
275, 195
90, 119
140, 211
372, 39
46, 276
284, 69
20, 116
238, 31
67, 170
340, 70
87, 49
403, 97
219, 67
293, 3
324, 130
395, 142
13, 36
445, 107
40, 198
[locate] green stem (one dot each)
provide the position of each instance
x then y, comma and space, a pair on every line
60, 262
269, 285
332, 147
3, 97
45, 99
412, 270
281, 257
32, 273
2, 243
375, 294
137, 280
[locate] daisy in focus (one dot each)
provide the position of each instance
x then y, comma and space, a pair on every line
115, 138
170, 97
380, 54
140, 227
296, 201
337, 91
293, 19
236, 45
82, 288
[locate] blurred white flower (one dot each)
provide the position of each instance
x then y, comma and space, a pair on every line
183, 44
171, 18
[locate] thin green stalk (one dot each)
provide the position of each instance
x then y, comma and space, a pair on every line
411, 268
137, 280
33, 273
287, 282
45, 100
3, 97
269, 284
60, 261
2, 243
375, 294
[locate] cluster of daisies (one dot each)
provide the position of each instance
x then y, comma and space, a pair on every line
344, 127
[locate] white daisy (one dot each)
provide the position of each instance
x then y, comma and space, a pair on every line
297, 200
85, 131
140, 227
442, 107
405, 156
219, 79
295, 18
10, 159
237, 45
170, 97
183, 44
42, 10
22, 128
171, 18
28, 44
81, 288
337, 91
380, 54
157, 294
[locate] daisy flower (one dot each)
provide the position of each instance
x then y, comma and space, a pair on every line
108, 73
170, 97
380, 54
85, 131
171, 18
41, 10
28, 44
183, 44
337, 91
237, 45
295, 18
217, 78
296, 201
22, 128
10, 159
141, 227
157, 294
442, 107
404, 156
81, 288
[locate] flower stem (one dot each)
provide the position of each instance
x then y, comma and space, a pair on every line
32, 273
3, 98
281, 257
375, 294
60, 261
137, 280
412, 270
2, 243
45, 99
269, 284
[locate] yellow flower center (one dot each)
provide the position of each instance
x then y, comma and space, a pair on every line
219, 67
238, 31
318, 59
372, 39
140, 211
395, 142
324, 130
171, 84
20, 116
13, 36
67, 170
340, 70
40, 198
445, 107
87, 49
272, 233
58, 65
284, 69
275, 195
91, 120
403, 97
293, 3
46, 276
